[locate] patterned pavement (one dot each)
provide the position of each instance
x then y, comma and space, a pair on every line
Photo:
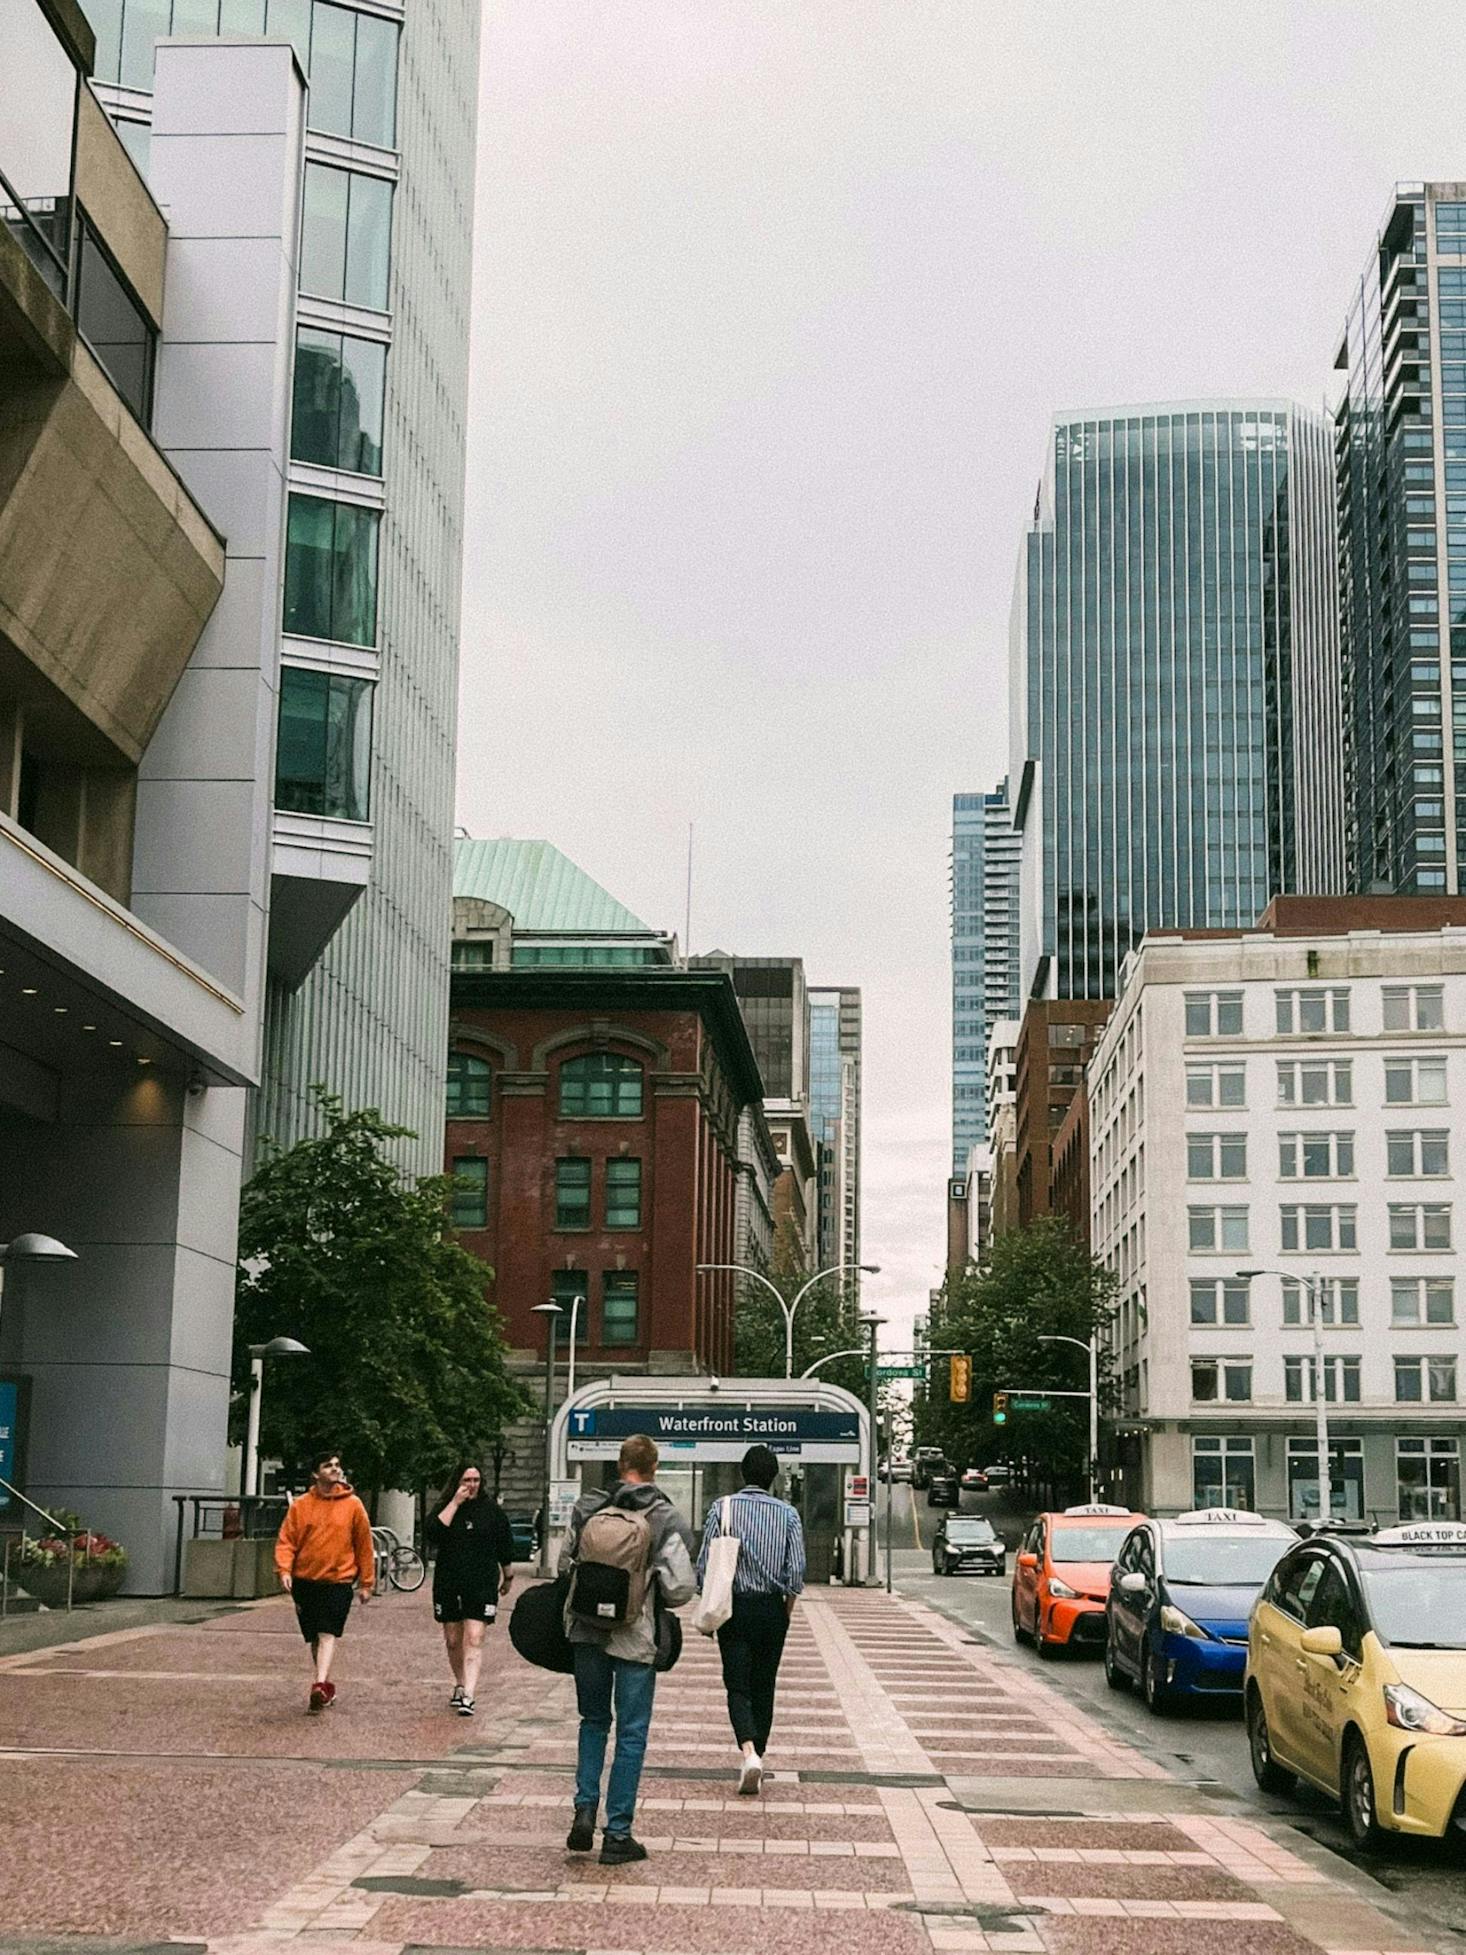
163, 1785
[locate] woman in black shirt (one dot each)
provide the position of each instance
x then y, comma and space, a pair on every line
474, 1543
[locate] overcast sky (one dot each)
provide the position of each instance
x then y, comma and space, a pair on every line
774, 299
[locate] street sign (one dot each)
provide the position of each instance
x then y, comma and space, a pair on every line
857, 1513
857, 1487
887, 1371
1029, 1402
716, 1430
563, 1496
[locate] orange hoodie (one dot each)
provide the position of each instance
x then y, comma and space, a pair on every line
327, 1538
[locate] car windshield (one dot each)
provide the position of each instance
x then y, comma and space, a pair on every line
970, 1531
1223, 1560
1088, 1543
1417, 1600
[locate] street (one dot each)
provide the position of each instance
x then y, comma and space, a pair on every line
1204, 1745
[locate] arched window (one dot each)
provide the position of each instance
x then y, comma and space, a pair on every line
468, 1086
603, 1085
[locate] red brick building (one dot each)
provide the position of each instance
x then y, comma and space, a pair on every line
593, 1125
1055, 1044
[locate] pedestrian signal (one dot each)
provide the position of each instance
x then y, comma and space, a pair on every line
1000, 1408
960, 1384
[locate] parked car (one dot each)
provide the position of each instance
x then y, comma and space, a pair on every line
1180, 1596
968, 1541
901, 1470
974, 1480
1061, 1575
526, 1535
999, 1475
924, 1462
942, 1489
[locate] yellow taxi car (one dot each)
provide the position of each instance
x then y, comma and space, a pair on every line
1356, 1677
1061, 1576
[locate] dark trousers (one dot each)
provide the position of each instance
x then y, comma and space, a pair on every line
752, 1642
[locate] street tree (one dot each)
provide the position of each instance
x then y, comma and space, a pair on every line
824, 1324
338, 1249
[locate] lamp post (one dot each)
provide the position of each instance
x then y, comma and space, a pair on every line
1314, 1286
1091, 1348
835, 1269
278, 1347
29, 1247
575, 1303
551, 1312
873, 1324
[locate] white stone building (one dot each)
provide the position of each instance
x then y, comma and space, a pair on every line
1270, 1106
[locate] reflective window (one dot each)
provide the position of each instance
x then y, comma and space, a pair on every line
470, 1192
37, 124
572, 1193
601, 1084
324, 756
623, 1194
115, 326
340, 384
470, 1084
619, 1307
346, 236
331, 571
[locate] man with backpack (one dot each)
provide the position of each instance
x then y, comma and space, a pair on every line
627, 1556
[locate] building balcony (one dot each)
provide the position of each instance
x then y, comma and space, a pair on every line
319, 868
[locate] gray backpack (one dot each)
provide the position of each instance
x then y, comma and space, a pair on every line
612, 1559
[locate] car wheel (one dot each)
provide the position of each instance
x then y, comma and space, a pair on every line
1153, 1683
1115, 1677
1357, 1791
1270, 1776
950, 1569
1020, 1634
1049, 1651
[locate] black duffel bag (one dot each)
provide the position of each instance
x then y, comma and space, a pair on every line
537, 1629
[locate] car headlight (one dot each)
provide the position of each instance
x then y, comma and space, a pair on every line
1175, 1622
1061, 1590
1409, 1711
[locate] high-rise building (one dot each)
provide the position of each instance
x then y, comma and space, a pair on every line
366, 603
1175, 724
834, 1107
1400, 438
985, 950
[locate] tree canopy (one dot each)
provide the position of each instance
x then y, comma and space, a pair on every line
824, 1323
337, 1249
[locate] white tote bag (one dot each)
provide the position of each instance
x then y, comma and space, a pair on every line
714, 1606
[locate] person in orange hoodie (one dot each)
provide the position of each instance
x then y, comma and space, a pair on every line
324, 1550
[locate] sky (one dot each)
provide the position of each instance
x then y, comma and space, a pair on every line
774, 300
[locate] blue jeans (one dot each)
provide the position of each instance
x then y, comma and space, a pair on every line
600, 1680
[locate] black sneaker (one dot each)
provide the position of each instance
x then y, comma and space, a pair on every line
465, 1707
619, 1850
582, 1835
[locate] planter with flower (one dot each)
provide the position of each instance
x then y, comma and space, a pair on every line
90, 1566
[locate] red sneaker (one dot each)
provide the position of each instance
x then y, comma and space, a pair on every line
320, 1697
330, 1690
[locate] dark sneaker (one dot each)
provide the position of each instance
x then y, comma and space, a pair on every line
465, 1707
320, 1697
582, 1835
619, 1850
457, 1698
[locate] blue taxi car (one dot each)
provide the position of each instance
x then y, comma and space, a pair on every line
1180, 1594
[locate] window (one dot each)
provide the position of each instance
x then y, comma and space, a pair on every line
470, 1192
601, 1085
1213, 1014
331, 571
1319, 1225
346, 236
1415, 1082
623, 1193
1346, 1479
470, 956
1422, 1381
1216, 1157
1217, 1228
340, 386
570, 1288
469, 1083
1340, 1380
1428, 1479
1414, 1007
1339, 1301
323, 760
1420, 1154
1222, 1473
1315, 1157
1221, 1378
1313, 1011
572, 1193
112, 322
1422, 1300
1220, 1300
1420, 1225
1315, 1082
1216, 1086
619, 1307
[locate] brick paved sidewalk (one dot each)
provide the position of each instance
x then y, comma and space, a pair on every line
928, 1796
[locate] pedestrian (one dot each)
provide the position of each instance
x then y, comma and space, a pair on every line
769, 1575
474, 1544
628, 1537
323, 1551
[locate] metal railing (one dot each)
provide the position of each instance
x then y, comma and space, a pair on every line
59, 1530
224, 1517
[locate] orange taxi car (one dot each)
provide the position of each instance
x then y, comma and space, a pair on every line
1061, 1576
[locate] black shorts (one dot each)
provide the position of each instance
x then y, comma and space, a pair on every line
321, 1608
464, 1605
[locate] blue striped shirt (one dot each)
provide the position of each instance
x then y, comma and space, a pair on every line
771, 1555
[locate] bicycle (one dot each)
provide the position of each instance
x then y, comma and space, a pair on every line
398, 1565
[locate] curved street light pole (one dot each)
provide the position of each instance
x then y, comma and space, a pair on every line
835, 1269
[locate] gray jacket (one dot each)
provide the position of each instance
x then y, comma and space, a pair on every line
670, 1570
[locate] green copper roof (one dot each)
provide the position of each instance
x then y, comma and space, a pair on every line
541, 888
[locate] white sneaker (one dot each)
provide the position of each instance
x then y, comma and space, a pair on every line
751, 1775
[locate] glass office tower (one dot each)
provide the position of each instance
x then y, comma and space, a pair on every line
834, 1117
1177, 750
984, 952
1400, 443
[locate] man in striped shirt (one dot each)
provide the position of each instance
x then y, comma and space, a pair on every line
770, 1574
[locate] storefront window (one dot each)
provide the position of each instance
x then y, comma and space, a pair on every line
1223, 1473
331, 571
1428, 1479
324, 758
1346, 1479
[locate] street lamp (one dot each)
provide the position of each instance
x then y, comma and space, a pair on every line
835, 1269
278, 1347
575, 1303
30, 1247
872, 1323
551, 1312
1314, 1285
1091, 1348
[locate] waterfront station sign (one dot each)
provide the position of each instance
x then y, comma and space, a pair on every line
712, 1432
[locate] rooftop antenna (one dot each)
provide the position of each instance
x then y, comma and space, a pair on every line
687, 932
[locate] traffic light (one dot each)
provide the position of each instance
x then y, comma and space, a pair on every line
959, 1385
1000, 1408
